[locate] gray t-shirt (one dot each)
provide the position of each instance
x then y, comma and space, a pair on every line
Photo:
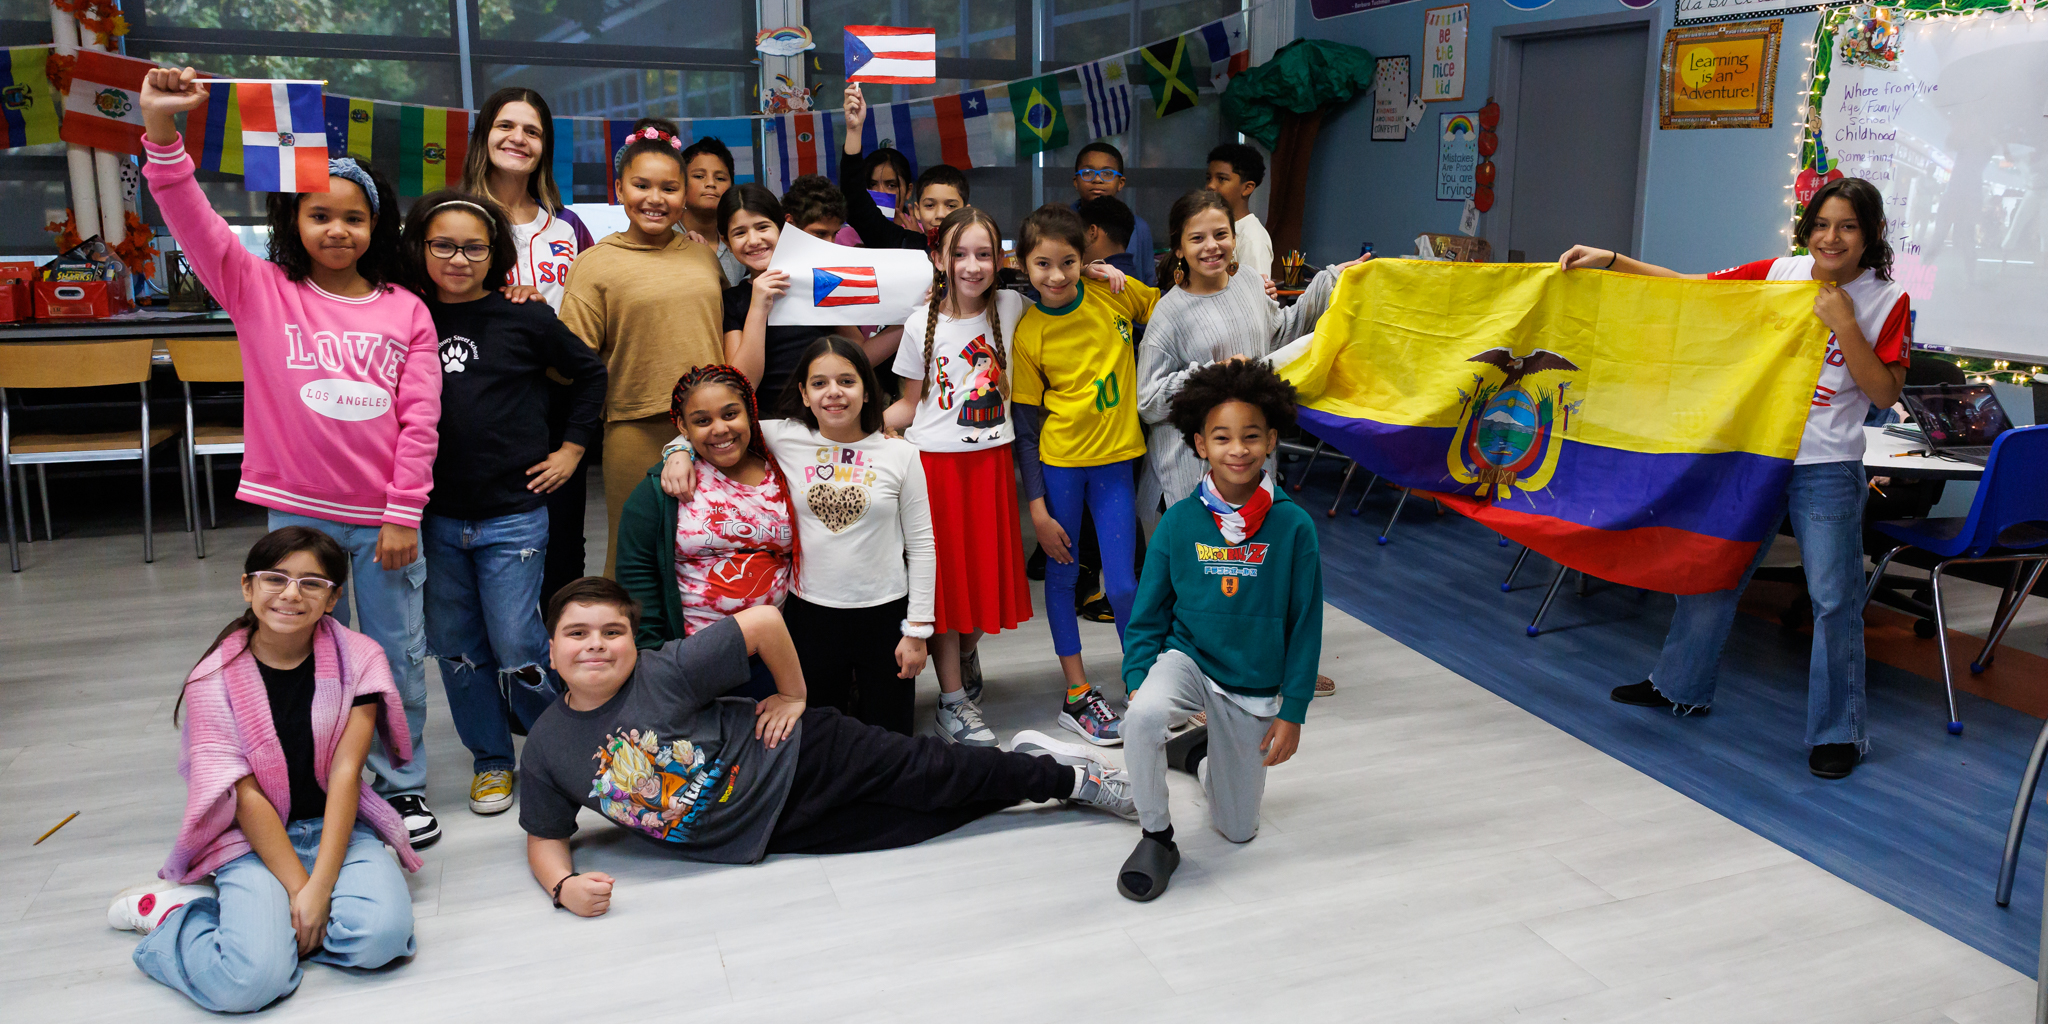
668, 757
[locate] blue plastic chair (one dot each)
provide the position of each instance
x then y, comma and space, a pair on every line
2008, 522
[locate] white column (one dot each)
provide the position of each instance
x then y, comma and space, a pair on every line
778, 14
85, 202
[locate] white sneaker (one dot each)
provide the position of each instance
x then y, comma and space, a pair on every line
1031, 741
140, 908
961, 722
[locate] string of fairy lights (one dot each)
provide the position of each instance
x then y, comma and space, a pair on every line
1820, 58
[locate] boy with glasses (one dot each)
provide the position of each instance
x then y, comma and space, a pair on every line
1099, 172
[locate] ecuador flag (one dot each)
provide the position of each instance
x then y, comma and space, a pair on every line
1639, 429
432, 144
28, 105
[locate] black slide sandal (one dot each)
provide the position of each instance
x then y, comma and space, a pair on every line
1150, 865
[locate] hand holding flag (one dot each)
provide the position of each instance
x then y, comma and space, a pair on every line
884, 53
166, 93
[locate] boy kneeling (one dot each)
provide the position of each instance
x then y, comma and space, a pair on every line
1228, 620
650, 741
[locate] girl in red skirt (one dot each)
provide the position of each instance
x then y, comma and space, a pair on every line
955, 409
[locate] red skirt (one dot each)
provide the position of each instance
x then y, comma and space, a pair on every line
981, 585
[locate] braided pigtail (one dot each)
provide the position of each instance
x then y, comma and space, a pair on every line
931, 322
995, 327
731, 377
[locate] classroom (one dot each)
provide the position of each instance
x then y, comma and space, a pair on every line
1155, 510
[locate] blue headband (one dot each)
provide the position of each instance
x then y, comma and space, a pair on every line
346, 167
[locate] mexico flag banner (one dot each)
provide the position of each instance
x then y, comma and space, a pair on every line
103, 108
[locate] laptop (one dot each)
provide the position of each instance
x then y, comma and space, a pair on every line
1960, 420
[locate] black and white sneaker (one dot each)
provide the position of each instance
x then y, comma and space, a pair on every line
420, 824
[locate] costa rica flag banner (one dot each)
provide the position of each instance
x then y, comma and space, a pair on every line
833, 284
1638, 429
885, 54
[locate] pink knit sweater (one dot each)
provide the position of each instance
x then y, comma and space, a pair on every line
342, 396
229, 735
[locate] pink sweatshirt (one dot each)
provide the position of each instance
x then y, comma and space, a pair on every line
341, 396
229, 735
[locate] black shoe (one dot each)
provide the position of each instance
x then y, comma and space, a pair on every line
1097, 609
1034, 567
1833, 760
420, 824
1645, 695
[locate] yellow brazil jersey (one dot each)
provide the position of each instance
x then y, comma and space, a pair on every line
1079, 363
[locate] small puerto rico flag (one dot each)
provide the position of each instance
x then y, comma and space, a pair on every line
844, 286
890, 55
284, 137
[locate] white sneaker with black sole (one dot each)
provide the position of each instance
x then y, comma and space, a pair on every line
961, 722
421, 827
1031, 741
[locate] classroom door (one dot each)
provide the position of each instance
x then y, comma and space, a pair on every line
1578, 128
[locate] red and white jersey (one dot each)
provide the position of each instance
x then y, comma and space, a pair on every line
547, 245
1834, 425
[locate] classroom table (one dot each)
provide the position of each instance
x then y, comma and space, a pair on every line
1886, 455
143, 323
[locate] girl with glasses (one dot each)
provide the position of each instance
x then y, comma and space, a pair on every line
486, 530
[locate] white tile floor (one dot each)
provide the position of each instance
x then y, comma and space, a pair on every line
1433, 854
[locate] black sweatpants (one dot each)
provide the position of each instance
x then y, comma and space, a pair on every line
849, 660
566, 504
859, 787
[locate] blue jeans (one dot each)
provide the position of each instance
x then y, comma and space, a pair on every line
390, 605
483, 622
1107, 491
1825, 502
237, 952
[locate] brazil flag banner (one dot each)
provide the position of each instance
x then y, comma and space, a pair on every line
1041, 122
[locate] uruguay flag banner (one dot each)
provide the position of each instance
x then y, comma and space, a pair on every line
284, 137
839, 284
1639, 429
884, 54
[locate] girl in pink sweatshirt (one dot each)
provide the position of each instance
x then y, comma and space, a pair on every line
278, 719
342, 388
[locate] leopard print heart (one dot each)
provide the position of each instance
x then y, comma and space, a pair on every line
838, 506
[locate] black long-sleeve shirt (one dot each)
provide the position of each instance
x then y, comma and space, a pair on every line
875, 230
495, 355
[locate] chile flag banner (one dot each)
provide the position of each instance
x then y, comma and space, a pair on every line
1638, 429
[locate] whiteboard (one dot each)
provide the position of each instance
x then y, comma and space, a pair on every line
1955, 133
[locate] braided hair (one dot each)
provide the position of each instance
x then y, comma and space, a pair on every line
731, 377
949, 229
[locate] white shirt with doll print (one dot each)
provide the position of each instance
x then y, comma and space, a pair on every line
963, 410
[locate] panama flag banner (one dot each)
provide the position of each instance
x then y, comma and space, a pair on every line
432, 144
887, 55
28, 106
840, 284
103, 108
1229, 50
284, 137
1639, 429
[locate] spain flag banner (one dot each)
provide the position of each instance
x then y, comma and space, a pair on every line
1638, 429
432, 143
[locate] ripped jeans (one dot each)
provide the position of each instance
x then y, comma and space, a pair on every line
483, 622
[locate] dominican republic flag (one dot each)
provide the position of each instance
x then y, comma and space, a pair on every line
801, 144
284, 137
1109, 97
103, 108
844, 286
891, 125
889, 55
966, 130
1229, 51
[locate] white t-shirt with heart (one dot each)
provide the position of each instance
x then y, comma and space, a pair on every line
863, 525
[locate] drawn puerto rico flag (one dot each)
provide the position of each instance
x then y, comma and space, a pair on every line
890, 55
844, 286
284, 137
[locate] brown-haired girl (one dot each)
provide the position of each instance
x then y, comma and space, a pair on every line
955, 366
649, 299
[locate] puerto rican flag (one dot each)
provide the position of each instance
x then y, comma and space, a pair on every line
284, 137
889, 55
844, 286
1229, 50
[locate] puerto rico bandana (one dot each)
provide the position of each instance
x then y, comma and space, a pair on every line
1237, 522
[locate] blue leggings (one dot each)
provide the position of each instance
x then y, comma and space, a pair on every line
1107, 492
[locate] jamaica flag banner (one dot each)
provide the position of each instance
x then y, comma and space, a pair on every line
1168, 75
1638, 429
1041, 122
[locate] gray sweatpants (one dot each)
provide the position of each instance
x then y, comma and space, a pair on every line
1173, 690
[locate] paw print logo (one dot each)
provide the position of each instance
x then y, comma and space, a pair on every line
456, 353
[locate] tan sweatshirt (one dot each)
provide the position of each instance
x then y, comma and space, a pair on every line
652, 313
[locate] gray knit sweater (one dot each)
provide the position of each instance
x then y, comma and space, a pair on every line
1189, 331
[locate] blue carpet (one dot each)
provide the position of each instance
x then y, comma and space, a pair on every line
1920, 824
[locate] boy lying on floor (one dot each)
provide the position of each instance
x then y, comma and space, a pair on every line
649, 740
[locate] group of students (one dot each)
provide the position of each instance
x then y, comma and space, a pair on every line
420, 402
740, 682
